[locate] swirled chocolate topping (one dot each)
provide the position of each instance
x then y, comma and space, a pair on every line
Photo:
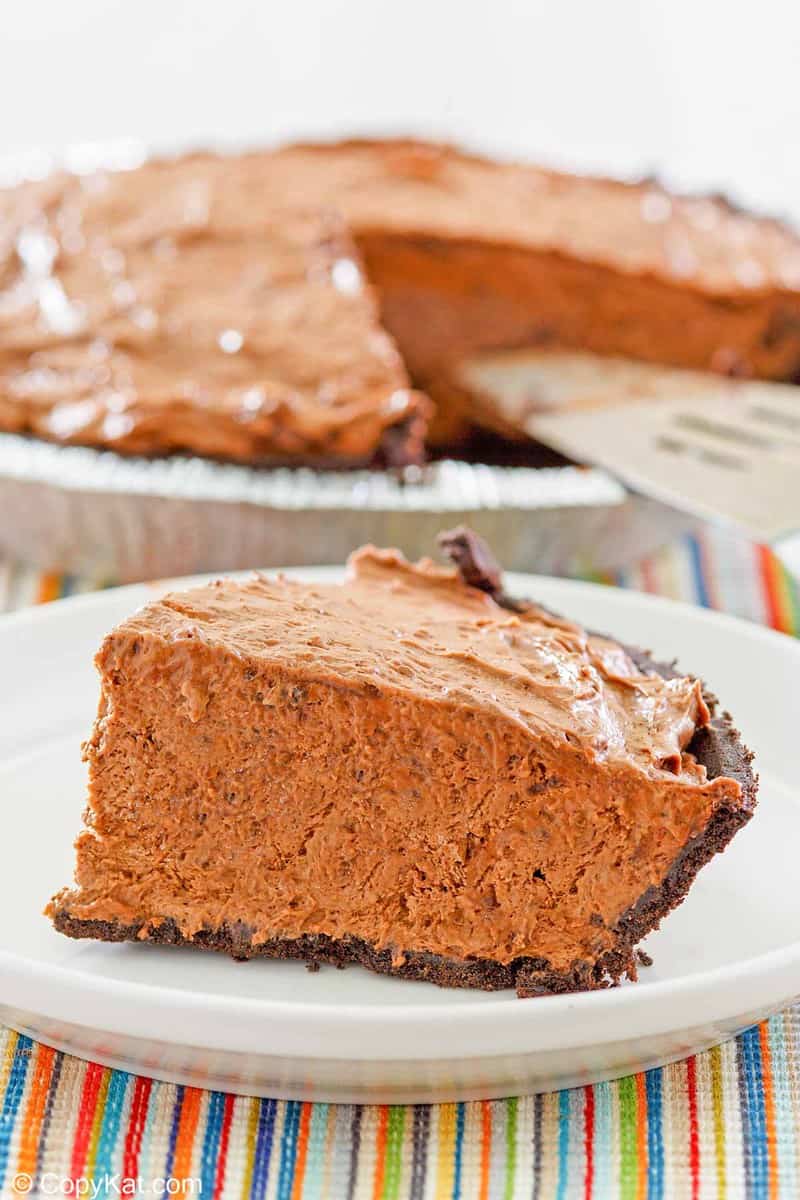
219, 304
171, 309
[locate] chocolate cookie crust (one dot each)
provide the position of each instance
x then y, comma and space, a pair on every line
718, 747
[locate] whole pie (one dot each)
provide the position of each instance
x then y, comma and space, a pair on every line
291, 306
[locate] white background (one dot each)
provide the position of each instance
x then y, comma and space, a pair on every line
707, 92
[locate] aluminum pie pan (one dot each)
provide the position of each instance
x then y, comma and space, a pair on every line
108, 517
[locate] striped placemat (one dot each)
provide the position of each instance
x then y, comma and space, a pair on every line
722, 1124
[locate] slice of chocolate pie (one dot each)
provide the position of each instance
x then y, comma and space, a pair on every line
409, 770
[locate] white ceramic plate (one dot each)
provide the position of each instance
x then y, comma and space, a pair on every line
727, 957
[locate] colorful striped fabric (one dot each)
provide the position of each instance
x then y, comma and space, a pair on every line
722, 1124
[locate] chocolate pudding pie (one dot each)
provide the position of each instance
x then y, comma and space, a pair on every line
409, 770
200, 305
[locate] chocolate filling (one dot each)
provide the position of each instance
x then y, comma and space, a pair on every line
528, 976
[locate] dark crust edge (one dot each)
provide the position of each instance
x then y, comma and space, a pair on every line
403, 444
717, 746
